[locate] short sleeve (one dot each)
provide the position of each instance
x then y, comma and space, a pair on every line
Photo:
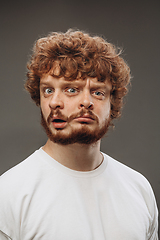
7, 205
153, 231
3, 236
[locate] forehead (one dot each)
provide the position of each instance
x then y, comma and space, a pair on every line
48, 79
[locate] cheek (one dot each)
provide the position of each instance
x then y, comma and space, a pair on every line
108, 109
103, 111
45, 108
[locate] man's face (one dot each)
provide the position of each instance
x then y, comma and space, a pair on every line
75, 111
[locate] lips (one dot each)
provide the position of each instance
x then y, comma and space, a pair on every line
58, 122
85, 119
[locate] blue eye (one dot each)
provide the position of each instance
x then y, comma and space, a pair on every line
71, 90
48, 91
98, 94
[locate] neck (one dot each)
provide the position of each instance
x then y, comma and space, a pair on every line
79, 157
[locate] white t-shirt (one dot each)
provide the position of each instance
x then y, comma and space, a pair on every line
41, 199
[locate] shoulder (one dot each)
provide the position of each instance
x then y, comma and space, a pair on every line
136, 188
123, 172
14, 187
17, 187
22, 173
132, 181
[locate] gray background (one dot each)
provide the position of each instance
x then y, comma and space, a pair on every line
133, 25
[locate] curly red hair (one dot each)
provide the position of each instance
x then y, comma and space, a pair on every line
78, 55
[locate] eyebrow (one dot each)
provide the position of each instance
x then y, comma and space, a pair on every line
44, 85
78, 83
65, 82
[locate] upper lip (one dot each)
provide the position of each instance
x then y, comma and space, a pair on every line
86, 116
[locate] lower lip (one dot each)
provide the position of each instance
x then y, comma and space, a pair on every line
82, 119
59, 124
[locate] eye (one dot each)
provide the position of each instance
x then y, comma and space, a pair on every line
71, 91
99, 94
48, 91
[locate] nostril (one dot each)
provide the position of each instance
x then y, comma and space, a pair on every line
56, 104
87, 105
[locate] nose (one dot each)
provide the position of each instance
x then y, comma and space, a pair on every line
86, 101
56, 102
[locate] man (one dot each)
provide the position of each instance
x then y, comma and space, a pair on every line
68, 189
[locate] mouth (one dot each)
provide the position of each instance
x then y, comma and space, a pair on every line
58, 120
59, 123
84, 119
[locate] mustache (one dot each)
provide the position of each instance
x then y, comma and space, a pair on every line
58, 114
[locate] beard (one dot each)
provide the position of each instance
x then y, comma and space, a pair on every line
83, 135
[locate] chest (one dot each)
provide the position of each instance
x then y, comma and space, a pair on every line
84, 210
